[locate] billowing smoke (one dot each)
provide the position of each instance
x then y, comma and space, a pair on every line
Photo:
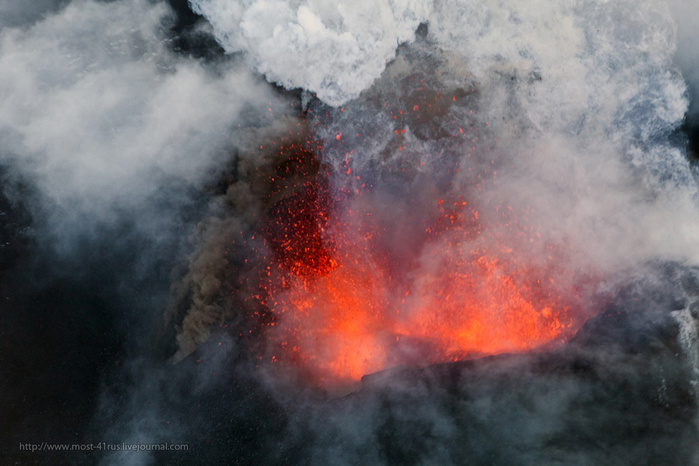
334, 50
216, 225
102, 114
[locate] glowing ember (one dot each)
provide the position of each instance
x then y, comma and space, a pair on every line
295, 232
343, 311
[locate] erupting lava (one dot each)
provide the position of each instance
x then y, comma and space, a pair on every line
343, 309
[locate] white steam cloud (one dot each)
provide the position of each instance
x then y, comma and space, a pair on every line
101, 114
334, 49
586, 120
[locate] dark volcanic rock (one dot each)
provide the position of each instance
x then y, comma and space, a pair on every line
622, 392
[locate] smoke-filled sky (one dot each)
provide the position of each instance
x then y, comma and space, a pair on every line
217, 216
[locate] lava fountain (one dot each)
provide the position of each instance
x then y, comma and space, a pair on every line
401, 247
350, 295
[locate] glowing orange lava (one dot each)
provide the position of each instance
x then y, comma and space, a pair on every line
342, 311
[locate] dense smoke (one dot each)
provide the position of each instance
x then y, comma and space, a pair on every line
334, 50
147, 153
103, 114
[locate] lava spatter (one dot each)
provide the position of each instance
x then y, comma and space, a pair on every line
342, 311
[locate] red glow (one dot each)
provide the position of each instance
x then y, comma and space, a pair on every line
296, 233
343, 310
